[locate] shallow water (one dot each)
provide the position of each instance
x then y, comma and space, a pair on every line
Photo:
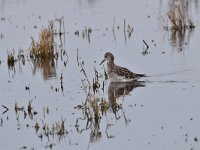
162, 112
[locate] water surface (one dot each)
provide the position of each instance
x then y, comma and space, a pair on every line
161, 112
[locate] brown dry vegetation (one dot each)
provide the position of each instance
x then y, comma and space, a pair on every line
94, 107
179, 22
178, 19
10, 60
45, 45
45, 51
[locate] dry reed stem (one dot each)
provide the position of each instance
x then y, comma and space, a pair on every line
178, 18
45, 45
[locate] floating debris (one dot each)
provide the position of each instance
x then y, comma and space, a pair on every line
5, 108
145, 52
76, 33
29, 109
37, 126
86, 33
196, 139
23, 147
27, 88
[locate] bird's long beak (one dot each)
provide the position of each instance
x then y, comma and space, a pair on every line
102, 62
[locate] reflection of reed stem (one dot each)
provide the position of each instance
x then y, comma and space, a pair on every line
114, 29
124, 25
77, 57
125, 30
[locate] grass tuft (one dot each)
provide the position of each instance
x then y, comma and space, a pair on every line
179, 18
44, 48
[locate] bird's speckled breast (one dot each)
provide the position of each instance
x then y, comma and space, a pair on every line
111, 74
109, 69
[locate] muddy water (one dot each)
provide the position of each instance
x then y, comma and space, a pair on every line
37, 99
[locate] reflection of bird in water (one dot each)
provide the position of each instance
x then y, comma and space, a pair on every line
121, 89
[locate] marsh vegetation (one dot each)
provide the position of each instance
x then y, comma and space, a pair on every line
179, 22
55, 95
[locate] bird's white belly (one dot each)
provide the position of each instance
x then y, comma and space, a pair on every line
116, 78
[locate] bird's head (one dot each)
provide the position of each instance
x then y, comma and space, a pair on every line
108, 57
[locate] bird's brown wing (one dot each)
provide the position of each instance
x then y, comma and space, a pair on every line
126, 73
